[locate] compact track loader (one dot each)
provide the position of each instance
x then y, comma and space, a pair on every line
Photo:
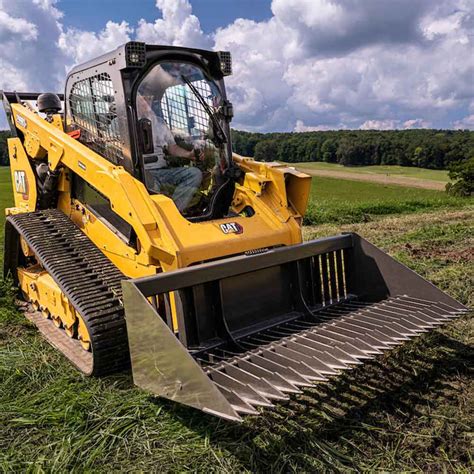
138, 238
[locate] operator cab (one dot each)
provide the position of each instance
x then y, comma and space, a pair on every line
161, 112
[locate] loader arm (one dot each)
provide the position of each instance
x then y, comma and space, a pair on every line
164, 234
128, 197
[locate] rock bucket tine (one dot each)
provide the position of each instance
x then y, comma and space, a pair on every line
292, 375
281, 357
451, 309
299, 342
311, 357
373, 336
381, 315
237, 403
363, 342
244, 390
404, 334
345, 346
428, 320
387, 329
393, 331
299, 352
333, 351
437, 313
382, 333
390, 327
395, 323
274, 378
260, 384
411, 321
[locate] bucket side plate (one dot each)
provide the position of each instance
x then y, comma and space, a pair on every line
162, 365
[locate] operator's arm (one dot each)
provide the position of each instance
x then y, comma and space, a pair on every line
176, 150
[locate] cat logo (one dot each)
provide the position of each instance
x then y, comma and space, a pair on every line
232, 228
21, 183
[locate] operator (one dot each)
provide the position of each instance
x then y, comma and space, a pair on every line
185, 179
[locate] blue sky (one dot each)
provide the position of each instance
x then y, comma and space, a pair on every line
299, 65
93, 14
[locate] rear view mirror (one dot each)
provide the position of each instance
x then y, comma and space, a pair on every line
145, 136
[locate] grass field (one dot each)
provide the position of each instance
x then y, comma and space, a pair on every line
409, 411
404, 171
345, 201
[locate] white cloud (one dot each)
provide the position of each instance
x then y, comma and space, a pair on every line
393, 124
10, 25
29, 56
417, 123
467, 123
352, 62
315, 64
257, 86
442, 26
178, 27
380, 125
49, 6
11, 78
302, 127
81, 46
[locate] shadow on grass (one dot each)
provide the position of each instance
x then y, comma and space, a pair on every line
307, 431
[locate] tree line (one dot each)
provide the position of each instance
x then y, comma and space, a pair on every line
425, 148
435, 149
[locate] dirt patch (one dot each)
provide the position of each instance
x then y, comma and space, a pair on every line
463, 255
377, 178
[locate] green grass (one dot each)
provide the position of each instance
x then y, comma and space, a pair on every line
395, 170
410, 410
6, 199
346, 201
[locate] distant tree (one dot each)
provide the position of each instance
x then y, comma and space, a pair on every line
328, 151
350, 153
266, 150
435, 149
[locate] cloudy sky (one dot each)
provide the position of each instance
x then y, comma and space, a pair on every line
298, 64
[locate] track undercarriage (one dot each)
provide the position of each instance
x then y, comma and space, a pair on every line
75, 288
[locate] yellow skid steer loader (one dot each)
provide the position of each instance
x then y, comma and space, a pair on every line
138, 238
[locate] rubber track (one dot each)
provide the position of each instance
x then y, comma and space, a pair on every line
91, 282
